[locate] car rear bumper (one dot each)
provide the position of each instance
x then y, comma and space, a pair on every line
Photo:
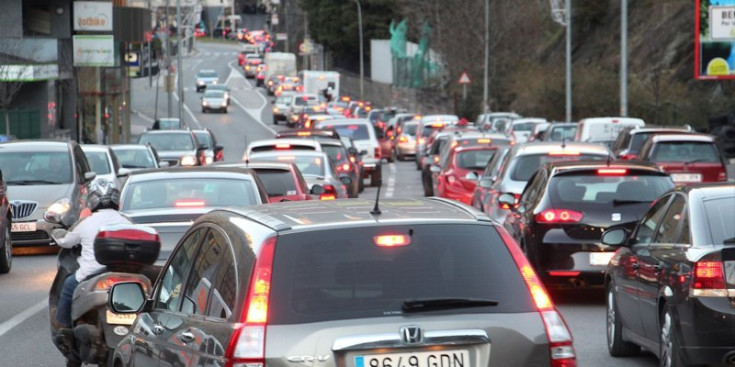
571, 265
406, 148
707, 329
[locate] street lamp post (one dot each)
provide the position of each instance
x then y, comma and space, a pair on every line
485, 93
624, 58
362, 65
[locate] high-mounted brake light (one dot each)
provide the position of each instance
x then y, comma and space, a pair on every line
484, 141
303, 133
189, 203
612, 171
392, 240
437, 125
559, 216
563, 153
283, 146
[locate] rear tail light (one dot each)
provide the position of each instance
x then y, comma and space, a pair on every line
708, 279
559, 216
247, 346
106, 283
722, 175
561, 346
422, 140
344, 167
517, 200
377, 152
330, 193
403, 139
628, 156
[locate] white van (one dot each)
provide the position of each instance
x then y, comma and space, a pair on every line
604, 130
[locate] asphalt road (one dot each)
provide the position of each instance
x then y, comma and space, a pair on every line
24, 334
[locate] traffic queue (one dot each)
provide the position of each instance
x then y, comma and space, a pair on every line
275, 258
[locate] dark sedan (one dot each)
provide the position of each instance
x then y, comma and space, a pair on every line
671, 284
566, 206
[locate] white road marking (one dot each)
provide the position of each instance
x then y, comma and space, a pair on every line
186, 108
19, 318
142, 115
391, 181
255, 113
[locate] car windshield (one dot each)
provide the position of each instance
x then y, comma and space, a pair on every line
203, 138
306, 101
410, 129
474, 159
524, 126
98, 162
169, 124
36, 168
685, 151
189, 193
719, 217
134, 158
526, 165
308, 165
214, 94
590, 188
283, 99
356, 131
427, 130
277, 182
168, 142
342, 274
207, 74
636, 142
560, 133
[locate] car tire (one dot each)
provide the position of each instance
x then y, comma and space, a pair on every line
400, 157
670, 356
6, 252
616, 346
376, 176
418, 164
426, 183
361, 183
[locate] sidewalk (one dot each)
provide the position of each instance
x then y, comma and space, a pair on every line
143, 104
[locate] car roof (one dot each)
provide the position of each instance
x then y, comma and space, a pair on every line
95, 148
639, 130
296, 153
286, 166
173, 131
545, 147
356, 212
130, 146
683, 137
348, 122
709, 190
188, 172
25, 145
289, 141
529, 119
584, 165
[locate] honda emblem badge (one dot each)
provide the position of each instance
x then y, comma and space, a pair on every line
411, 334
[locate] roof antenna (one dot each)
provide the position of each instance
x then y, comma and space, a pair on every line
563, 138
608, 159
376, 208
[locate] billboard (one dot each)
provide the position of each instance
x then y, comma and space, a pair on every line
94, 51
92, 16
714, 40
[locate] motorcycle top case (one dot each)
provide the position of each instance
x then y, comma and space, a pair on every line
127, 245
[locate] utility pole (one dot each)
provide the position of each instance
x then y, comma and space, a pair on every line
362, 58
485, 90
569, 59
179, 64
624, 58
305, 64
169, 87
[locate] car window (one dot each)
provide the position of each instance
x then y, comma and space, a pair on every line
214, 94
685, 151
99, 162
169, 293
526, 165
308, 165
589, 188
560, 133
204, 138
342, 274
636, 142
531, 193
277, 182
212, 289
336, 152
81, 160
168, 142
668, 231
474, 159
647, 226
720, 218
356, 131
37, 168
410, 129
134, 158
188, 192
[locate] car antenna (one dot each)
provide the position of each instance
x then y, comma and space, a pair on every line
563, 139
608, 159
376, 208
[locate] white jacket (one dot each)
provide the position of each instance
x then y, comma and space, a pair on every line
84, 232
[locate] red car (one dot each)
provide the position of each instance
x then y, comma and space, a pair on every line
458, 176
282, 180
688, 158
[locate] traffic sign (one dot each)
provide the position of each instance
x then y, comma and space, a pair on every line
464, 78
306, 47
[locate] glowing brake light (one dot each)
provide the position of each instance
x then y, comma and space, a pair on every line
484, 141
392, 240
345, 167
708, 279
437, 125
189, 203
612, 171
564, 153
402, 139
283, 146
559, 216
303, 133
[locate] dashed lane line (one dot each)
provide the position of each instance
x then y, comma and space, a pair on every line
391, 181
255, 113
23, 316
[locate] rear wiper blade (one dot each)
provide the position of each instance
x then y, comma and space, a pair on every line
31, 182
626, 202
729, 241
433, 304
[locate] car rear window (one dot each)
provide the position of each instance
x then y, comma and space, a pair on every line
591, 188
134, 158
98, 162
474, 159
410, 129
524, 126
559, 133
685, 151
277, 182
336, 152
307, 164
203, 138
526, 165
719, 217
341, 274
269, 148
188, 192
636, 142
356, 131
427, 130
168, 142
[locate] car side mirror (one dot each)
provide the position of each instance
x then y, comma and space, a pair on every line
89, 176
363, 152
353, 151
615, 237
472, 176
345, 180
434, 168
485, 182
164, 164
126, 298
508, 200
218, 148
317, 190
123, 172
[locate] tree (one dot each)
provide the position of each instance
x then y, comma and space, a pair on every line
14, 70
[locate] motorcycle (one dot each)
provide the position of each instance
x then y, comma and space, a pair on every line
126, 251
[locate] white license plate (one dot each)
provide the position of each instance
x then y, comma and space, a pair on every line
446, 358
23, 227
686, 177
600, 258
120, 319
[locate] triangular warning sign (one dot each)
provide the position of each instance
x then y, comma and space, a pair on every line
464, 78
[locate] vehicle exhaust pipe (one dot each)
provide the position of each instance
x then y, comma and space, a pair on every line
578, 283
730, 359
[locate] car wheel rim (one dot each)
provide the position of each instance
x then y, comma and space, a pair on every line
610, 318
8, 247
666, 344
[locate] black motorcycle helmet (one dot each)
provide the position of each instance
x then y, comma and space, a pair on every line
103, 194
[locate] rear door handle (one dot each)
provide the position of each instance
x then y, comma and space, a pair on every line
186, 337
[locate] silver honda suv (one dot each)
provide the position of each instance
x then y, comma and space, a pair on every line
422, 283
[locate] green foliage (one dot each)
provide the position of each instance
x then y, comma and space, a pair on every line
333, 23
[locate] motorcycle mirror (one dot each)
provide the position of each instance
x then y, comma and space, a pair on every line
126, 298
52, 217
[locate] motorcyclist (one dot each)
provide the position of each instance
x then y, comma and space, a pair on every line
103, 200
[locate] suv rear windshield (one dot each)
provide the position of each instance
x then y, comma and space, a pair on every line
356, 132
277, 182
559, 133
341, 274
474, 159
307, 164
719, 217
685, 151
168, 142
188, 192
526, 165
590, 188
336, 152
410, 129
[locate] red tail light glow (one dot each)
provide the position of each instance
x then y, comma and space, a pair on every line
559, 216
628, 156
392, 240
722, 175
377, 152
517, 200
612, 171
708, 279
345, 167
283, 146
402, 139
330, 193
189, 203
